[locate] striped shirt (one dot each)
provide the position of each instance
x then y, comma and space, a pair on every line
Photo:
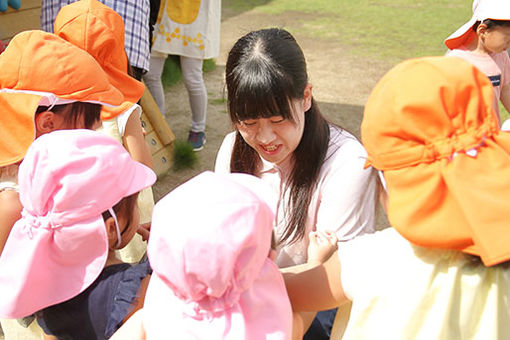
135, 14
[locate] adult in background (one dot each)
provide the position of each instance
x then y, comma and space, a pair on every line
135, 14
191, 30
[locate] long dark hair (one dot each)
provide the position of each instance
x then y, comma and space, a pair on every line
265, 70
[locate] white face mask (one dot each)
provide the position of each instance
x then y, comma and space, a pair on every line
383, 181
119, 238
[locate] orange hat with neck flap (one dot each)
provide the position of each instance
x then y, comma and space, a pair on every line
99, 30
430, 126
39, 68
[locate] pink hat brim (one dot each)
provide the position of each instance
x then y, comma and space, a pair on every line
56, 264
262, 312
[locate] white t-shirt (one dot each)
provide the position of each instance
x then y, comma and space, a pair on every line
402, 291
345, 200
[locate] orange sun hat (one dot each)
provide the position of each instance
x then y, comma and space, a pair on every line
430, 126
39, 68
99, 30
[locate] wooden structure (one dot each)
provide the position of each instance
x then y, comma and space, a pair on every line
159, 136
15, 21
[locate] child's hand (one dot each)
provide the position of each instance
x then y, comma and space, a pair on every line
322, 246
144, 231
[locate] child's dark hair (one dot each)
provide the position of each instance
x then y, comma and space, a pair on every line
73, 112
490, 23
265, 70
124, 208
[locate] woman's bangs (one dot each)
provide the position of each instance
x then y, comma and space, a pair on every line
260, 103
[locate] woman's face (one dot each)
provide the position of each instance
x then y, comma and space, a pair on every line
276, 138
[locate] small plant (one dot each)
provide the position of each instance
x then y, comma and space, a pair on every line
184, 156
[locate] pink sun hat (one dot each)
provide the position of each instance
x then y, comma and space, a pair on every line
212, 278
67, 179
482, 10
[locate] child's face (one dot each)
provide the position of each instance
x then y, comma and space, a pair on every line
496, 39
128, 228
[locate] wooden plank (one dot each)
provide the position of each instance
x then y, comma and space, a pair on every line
146, 124
25, 4
154, 142
163, 160
151, 110
12, 22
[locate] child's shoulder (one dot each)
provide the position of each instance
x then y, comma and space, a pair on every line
9, 203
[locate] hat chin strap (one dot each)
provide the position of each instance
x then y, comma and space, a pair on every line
119, 239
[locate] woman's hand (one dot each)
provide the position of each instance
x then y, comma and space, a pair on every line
322, 246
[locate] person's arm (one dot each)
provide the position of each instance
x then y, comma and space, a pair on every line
505, 97
132, 329
134, 141
10, 212
139, 301
314, 286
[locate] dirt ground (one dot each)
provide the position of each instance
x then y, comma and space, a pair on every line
341, 85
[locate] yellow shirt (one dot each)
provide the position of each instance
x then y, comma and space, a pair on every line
402, 291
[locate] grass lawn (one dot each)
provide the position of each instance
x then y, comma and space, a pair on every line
389, 30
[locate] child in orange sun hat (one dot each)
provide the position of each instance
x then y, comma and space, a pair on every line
99, 30
443, 270
46, 84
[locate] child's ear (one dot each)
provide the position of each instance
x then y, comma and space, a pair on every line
481, 29
111, 232
44, 123
307, 97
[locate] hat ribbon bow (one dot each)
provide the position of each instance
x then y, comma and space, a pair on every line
33, 221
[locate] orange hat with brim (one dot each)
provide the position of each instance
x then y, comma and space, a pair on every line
429, 124
39, 68
99, 30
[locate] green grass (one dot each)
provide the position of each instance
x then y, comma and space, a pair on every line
503, 113
385, 29
184, 156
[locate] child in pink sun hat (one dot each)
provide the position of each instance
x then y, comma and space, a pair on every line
212, 273
213, 277
59, 259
